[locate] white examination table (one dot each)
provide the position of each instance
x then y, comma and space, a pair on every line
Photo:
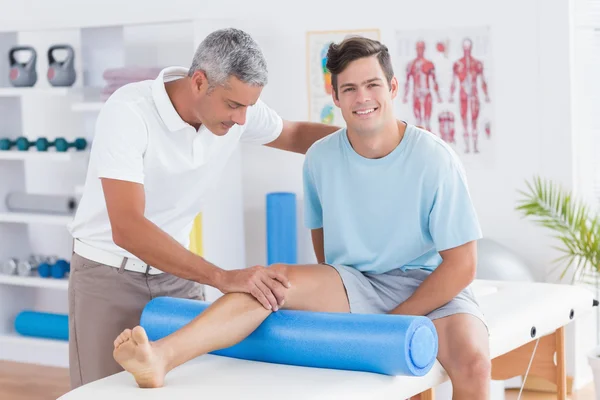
518, 313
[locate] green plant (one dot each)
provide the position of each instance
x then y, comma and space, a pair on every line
575, 225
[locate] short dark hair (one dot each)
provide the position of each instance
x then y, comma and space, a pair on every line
353, 48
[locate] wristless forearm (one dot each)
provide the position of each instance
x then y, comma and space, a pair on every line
436, 290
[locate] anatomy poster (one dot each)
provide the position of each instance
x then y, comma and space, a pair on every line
444, 78
320, 104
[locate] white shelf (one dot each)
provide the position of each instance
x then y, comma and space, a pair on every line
34, 350
91, 99
42, 155
87, 106
28, 218
25, 91
34, 281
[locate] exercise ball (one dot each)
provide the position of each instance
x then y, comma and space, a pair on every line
497, 262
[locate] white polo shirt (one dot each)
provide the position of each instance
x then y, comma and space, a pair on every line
141, 138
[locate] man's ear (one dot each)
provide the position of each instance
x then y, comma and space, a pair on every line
199, 81
334, 96
394, 87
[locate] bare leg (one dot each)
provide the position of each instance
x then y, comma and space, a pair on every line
417, 104
225, 323
465, 122
474, 116
464, 354
427, 110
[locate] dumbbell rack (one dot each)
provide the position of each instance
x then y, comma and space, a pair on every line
30, 231
32, 292
40, 111
71, 113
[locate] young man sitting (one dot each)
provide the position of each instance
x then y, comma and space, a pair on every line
393, 227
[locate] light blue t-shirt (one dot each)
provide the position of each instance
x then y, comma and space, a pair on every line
394, 212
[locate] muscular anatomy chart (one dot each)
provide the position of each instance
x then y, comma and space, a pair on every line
421, 73
444, 78
466, 73
320, 104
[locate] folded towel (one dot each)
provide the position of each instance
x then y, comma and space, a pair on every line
131, 73
111, 88
122, 81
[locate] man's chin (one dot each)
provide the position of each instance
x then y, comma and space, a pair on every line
364, 128
220, 129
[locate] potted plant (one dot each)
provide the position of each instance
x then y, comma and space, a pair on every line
576, 226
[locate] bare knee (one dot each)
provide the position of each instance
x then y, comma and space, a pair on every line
472, 368
288, 273
284, 270
280, 268
313, 288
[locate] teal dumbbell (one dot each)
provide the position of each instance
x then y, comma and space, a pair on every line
60, 268
44, 269
61, 144
22, 143
6, 144
42, 144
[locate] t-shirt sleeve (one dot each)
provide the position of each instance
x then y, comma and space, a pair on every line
120, 142
453, 220
263, 124
313, 213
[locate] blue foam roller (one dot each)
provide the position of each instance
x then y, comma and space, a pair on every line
42, 325
380, 343
281, 228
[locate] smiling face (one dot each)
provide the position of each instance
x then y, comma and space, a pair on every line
222, 106
365, 97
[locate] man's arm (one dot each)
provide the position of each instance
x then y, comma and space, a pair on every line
132, 231
299, 136
455, 273
453, 84
436, 86
407, 84
317, 239
484, 85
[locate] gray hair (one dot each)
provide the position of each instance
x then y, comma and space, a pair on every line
230, 52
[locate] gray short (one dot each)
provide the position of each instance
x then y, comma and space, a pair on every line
380, 293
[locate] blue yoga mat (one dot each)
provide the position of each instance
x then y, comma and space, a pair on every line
281, 228
379, 343
42, 325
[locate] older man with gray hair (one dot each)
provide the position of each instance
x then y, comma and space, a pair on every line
159, 147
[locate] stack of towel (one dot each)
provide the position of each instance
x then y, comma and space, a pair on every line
117, 77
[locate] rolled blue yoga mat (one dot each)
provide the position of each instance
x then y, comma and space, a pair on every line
379, 343
281, 228
42, 325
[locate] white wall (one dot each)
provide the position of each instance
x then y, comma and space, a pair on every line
531, 42
531, 100
531, 82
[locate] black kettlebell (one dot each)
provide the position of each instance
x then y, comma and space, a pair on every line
61, 73
22, 74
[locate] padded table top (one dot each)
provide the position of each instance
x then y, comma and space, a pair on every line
511, 310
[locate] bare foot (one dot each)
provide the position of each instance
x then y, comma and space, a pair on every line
134, 352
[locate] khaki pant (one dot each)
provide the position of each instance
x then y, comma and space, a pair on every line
103, 301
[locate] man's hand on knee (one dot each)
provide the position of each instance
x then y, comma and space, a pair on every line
267, 285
